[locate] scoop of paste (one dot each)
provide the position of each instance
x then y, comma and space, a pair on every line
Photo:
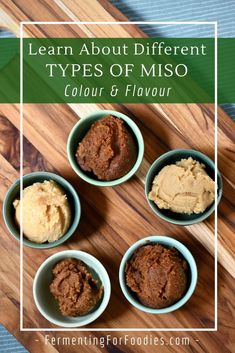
46, 212
108, 150
183, 187
74, 287
157, 275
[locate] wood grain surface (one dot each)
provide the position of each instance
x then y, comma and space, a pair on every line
113, 218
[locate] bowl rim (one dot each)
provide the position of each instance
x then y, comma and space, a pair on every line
136, 132
201, 216
107, 287
167, 241
73, 225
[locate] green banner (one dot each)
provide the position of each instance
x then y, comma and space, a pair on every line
117, 70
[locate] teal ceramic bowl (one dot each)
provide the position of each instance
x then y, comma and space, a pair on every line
29, 179
81, 128
168, 242
170, 158
47, 304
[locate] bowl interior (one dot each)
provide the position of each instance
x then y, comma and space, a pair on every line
79, 131
48, 305
29, 179
171, 158
167, 242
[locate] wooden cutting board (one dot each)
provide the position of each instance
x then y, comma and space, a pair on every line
114, 218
